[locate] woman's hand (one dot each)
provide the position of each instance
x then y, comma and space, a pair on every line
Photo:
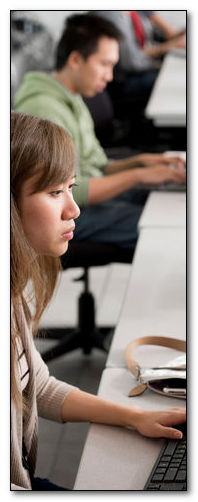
158, 424
80, 406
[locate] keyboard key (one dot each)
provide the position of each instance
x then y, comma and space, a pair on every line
160, 470
166, 458
181, 476
169, 471
154, 486
170, 474
173, 487
157, 477
174, 464
170, 448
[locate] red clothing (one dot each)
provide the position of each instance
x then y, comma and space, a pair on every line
138, 27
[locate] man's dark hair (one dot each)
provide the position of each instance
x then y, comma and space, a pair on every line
82, 33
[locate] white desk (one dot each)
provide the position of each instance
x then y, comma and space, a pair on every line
167, 103
155, 300
115, 458
164, 209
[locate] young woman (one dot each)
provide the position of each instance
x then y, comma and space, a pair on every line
42, 223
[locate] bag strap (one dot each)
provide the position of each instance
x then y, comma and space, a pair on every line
164, 341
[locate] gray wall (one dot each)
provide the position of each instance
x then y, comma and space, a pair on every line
54, 19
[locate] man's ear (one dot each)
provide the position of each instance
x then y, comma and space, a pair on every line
74, 60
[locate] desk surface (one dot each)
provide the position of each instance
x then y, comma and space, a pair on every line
155, 300
167, 103
115, 458
109, 460
164, 209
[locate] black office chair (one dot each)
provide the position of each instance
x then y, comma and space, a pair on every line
110, 131
86, 335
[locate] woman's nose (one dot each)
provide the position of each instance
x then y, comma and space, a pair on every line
77, 211
71, 209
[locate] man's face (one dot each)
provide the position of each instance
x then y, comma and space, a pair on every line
93, 74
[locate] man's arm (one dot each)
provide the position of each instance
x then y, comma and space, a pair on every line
107, 187
143, 160
166, 28
162, 48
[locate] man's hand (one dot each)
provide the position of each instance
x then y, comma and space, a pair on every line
180, 42
161, 174
152, 159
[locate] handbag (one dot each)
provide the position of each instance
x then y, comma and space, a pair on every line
168, 380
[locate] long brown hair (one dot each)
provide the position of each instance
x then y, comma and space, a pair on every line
38, 147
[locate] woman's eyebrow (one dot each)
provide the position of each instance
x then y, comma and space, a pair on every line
72, 177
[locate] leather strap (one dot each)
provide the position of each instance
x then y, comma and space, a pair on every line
164, 341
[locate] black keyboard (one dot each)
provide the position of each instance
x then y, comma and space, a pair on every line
170, 472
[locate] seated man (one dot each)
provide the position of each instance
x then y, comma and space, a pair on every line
140, 55
110, 205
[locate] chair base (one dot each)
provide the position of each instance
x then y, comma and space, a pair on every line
86, 335
71, 339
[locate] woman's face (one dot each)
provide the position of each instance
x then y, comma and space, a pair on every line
48, 216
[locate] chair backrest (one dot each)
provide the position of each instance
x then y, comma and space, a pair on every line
92, 254
102, 112
101, 109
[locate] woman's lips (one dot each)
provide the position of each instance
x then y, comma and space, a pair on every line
68, 235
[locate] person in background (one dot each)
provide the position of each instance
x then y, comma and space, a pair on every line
110, 193
171, 38
140, 55
42, 224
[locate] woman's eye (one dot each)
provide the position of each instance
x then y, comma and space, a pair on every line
55, 193
73, 185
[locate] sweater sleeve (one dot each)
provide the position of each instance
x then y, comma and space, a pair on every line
18, 488
50, 392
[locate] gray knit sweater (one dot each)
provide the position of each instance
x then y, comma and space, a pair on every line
44, 397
